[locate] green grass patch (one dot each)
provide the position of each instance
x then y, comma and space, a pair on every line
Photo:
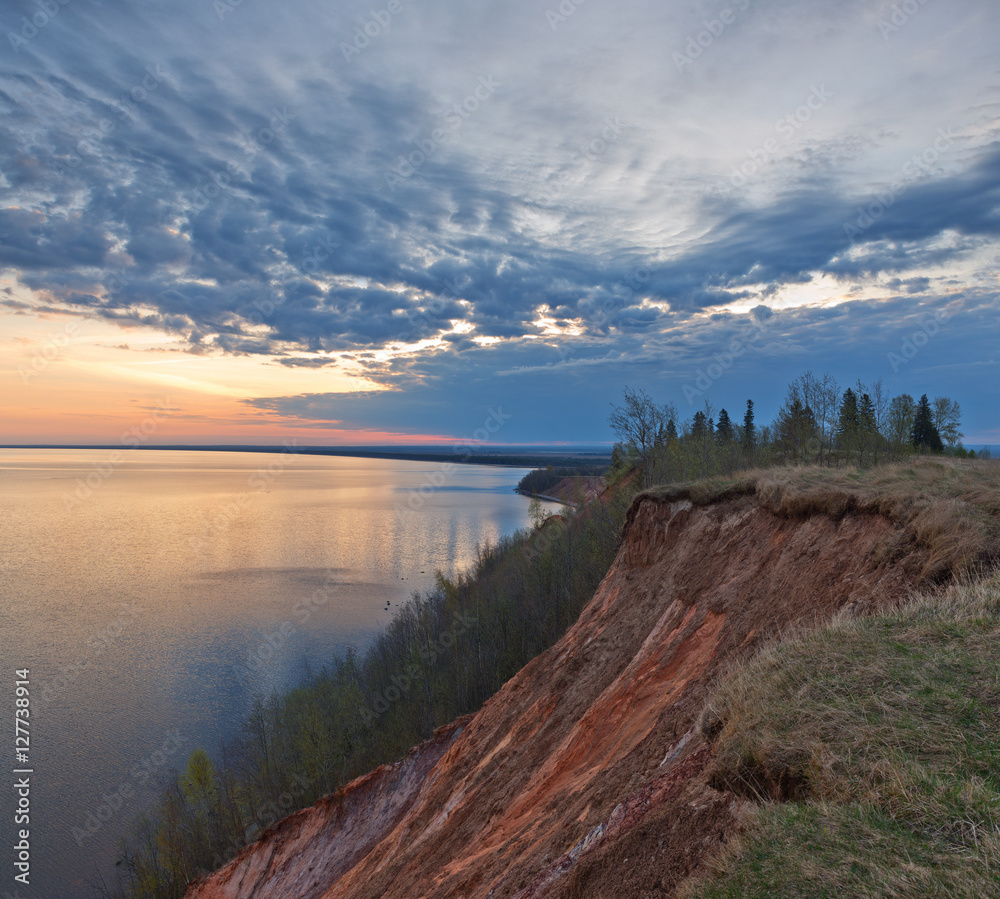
842, 852
873, 748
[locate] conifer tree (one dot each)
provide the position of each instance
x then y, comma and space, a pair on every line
724, 432
748, 435
925, 437
868, 435
700, 426
848, 423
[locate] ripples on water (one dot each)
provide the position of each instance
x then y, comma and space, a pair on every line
152, 610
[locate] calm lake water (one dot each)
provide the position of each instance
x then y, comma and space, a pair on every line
153, 593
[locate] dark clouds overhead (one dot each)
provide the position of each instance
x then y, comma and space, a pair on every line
274, 181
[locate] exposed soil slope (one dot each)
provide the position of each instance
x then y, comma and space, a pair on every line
575, 490
586, 775
307, 851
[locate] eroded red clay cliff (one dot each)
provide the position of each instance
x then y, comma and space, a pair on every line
585, 775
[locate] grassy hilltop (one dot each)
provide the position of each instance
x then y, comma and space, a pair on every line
872, 746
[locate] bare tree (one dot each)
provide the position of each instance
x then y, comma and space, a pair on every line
822, 395
880, 403
639, 423
899, 423
947, 419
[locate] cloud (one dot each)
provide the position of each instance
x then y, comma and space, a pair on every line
564, 392
476, 172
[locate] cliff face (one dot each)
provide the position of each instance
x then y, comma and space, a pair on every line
576, 490
585, 775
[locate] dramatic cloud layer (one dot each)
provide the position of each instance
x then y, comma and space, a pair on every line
448, 207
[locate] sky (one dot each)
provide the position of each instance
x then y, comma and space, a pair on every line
420, 221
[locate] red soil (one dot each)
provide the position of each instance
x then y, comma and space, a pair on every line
576, 490
585, 776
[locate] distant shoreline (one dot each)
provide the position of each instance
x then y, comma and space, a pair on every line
461, 454
551, 499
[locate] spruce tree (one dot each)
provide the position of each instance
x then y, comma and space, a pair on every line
749, 434
847, 420
848, 423
699, 427
868, 435
866, 414
724, 432
925, 436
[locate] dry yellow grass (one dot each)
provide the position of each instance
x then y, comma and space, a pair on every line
951, 507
